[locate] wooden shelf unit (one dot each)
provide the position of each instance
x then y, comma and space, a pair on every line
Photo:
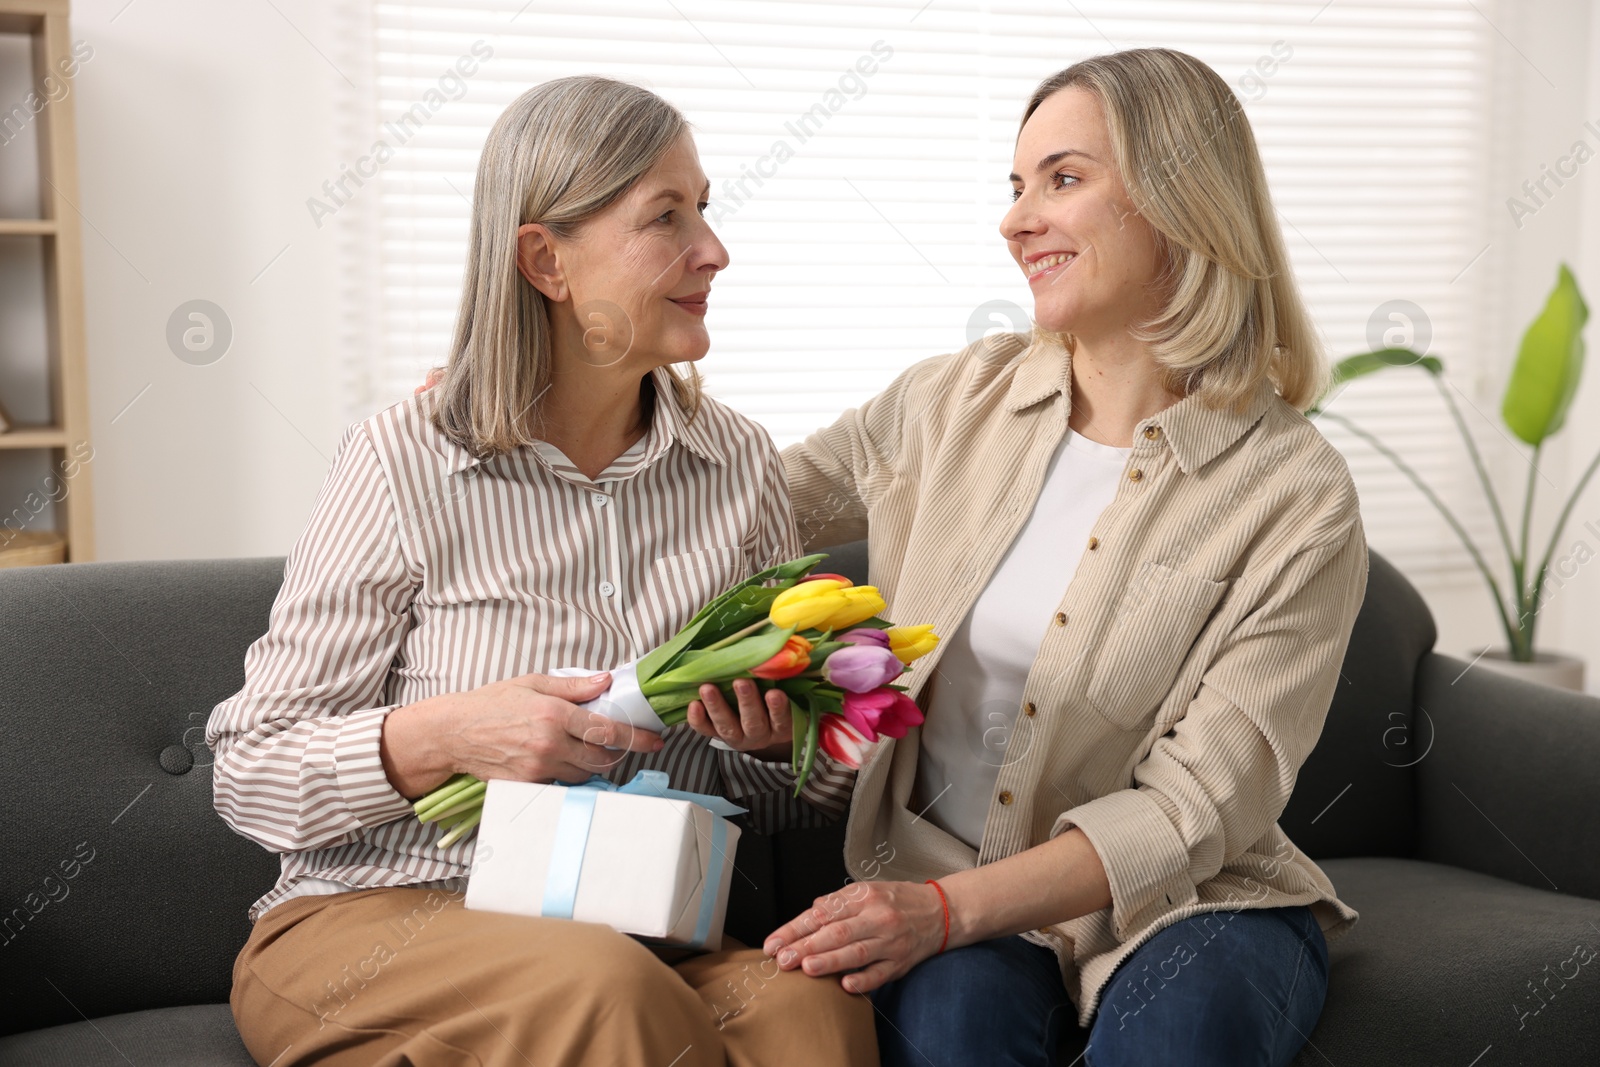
60, 233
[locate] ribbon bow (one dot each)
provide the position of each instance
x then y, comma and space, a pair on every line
654, 784
572, 839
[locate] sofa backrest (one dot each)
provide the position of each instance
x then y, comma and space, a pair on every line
121, 887
1356, 794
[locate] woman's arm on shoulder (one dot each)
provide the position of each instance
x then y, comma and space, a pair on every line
837, 473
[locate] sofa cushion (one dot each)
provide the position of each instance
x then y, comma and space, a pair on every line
1445, 964
199, 1036
123, 888
1438, 968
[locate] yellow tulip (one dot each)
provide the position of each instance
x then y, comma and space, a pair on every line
911, 642
824, 604
806, 605
861, 603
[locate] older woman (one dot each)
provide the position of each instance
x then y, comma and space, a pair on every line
1148, 562
564, 497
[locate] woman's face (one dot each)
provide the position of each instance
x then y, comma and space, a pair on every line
637, 275
1090, 259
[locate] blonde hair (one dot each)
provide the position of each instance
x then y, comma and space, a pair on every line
1188, 158
559, 155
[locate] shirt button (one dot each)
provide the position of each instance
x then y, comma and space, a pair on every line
1061, 618
1152, 432
1005, 796
606, 589
599, 500
1135, 474
1094, 543
1028, 709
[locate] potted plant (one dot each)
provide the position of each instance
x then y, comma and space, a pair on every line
1543, 382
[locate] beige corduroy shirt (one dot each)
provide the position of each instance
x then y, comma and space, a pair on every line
1186, 674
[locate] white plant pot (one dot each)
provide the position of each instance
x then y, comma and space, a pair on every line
1548, 668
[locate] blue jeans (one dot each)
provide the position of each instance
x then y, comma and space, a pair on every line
1219, 989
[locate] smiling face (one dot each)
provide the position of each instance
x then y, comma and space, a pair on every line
1090, 259
633, 282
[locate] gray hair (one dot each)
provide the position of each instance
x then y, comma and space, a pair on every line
560, 154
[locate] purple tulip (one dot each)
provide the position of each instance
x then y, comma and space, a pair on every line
865, 635
861, 669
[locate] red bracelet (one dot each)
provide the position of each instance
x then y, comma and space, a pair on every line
945, 903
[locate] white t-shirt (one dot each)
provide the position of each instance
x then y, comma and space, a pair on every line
976, 691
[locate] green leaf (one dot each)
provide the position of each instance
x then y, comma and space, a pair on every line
724, 664
797, 726
789, 571
1365, 363
813, 725
657, 658
738, 610
1358, 366
798, 689
1549, 364
823, 651
827, 700
671, 700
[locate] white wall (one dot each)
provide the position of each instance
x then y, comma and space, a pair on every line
1575, 612
1548, 72
203, 129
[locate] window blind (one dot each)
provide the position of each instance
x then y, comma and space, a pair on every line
858, 155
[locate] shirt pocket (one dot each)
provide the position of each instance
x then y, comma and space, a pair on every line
679, 586
1151, 634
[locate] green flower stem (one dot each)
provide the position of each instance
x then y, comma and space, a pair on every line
471, 803
444, 792
738, 635
461, 830
442, 805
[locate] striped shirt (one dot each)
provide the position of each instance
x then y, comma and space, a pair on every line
425, 571
1184, 674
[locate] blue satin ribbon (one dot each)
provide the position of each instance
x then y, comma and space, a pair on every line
572, 839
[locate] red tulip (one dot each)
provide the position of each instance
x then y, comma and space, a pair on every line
845, 582
842, 741
792, 659
882, 713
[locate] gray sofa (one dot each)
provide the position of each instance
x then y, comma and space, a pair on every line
1455, 809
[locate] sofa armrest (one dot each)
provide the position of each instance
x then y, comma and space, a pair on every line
1510, 783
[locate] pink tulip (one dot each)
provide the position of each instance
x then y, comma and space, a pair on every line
861, 668
842, 741
864, 635
881, 713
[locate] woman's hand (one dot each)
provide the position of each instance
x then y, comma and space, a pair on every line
527, 729
879, 929
764, 730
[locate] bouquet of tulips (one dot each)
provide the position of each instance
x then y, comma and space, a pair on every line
817, 637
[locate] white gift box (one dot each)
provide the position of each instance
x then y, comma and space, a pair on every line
641, 859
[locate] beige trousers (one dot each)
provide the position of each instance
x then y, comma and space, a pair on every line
408, 976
